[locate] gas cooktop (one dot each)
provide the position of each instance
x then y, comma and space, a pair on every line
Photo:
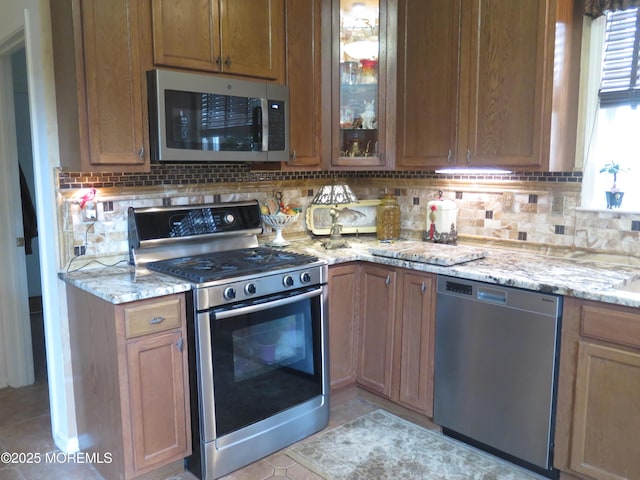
229, 264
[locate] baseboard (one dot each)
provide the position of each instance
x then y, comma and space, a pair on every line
66, 444
399, 410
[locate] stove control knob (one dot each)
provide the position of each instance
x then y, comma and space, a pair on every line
250, 288
228, 219
288, 281
229, 293
305, 277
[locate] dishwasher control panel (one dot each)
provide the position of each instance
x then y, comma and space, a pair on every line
458, 287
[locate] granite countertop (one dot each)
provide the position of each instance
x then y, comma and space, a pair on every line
124, 283
587, 279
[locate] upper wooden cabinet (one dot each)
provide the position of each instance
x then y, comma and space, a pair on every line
307, 64
362, 60
100, 53
476, 83
226, 36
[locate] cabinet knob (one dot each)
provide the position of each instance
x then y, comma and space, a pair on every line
156, 320
227, 62
180, 344
387, 281
423, 288
219, 61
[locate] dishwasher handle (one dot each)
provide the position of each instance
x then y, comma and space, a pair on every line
492, 295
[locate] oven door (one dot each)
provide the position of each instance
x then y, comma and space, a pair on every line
258, 360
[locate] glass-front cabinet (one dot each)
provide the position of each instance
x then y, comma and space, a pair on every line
359, 83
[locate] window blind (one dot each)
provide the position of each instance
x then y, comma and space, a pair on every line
620, 84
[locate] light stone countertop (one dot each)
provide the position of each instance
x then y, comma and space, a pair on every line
124, 283
587, 279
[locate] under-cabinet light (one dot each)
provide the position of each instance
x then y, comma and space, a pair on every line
473, 171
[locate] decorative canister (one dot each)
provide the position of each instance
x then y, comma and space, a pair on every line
441, 221
388, 218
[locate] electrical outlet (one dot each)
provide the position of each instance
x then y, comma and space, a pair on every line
79, 250
89, 212
507, 202
557, 204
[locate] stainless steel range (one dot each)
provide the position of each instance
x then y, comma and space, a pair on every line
257, 330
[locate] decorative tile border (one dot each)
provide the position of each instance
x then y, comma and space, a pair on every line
191, 174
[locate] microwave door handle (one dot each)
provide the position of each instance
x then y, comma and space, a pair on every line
264, 109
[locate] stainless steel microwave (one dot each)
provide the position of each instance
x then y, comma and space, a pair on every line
207, 118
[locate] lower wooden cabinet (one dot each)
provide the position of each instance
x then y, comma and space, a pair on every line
377, 313
130, 378
381, 322
415, 336
344, 282
598, 418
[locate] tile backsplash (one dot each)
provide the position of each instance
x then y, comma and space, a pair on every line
522, 209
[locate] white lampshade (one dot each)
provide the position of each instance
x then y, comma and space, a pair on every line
334, 194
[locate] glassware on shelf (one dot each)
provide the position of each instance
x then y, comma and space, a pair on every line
349, 73
358, 81
369, 71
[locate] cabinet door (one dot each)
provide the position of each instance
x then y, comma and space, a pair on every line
343, 323
252, 38
416, 329
159, 411
377, 313
507, 72
100, 50
236, 37
115, 116
362, 49
427, 107
186, 34
475, 82
606, 418
305, 79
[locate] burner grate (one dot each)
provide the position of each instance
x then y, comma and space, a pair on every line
228, 264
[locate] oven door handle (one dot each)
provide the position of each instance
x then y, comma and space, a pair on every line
234, 312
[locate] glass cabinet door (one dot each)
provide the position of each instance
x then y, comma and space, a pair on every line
358, 138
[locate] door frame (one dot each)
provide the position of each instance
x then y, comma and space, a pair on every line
29, 22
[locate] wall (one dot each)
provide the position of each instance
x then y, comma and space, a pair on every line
524, 210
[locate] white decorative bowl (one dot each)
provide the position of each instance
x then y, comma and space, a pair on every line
278, 223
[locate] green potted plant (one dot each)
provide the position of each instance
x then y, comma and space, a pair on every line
614, 195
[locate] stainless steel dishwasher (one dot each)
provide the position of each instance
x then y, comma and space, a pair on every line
496, 363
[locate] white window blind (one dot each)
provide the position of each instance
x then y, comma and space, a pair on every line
620, 84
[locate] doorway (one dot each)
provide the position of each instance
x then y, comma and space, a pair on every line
29, 218
16, 357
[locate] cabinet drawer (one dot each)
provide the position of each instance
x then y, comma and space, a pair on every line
158, 316
611, 325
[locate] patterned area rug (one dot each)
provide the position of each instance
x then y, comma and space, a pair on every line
381, 446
